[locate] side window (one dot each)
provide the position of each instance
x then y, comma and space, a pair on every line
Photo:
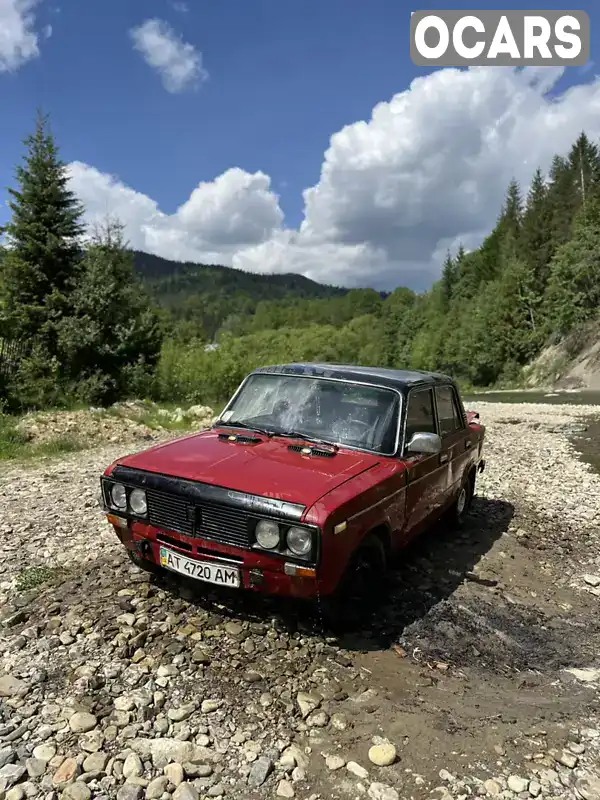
419, 414
448, 413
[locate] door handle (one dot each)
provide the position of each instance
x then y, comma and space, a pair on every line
443, 458
467, 444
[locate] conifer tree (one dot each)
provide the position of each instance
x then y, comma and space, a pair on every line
111, 342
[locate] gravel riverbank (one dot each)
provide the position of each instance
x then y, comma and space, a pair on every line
479, 676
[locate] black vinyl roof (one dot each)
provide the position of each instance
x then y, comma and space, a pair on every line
392, 378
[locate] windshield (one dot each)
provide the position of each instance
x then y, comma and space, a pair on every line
332, 411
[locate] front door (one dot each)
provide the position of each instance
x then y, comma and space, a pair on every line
426, 474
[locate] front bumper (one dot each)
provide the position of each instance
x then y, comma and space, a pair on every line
260, 571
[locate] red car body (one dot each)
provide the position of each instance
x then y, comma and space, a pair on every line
205, 492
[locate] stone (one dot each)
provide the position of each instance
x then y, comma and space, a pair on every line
11, 774
383, 755
588, 788
517, 785
77, 791
260, 771
357, 770
492, 787
11, 686
197, 770
163, 751
130, 791
16, 793
82, 722
209, 706
567, 759
234, 628
157, 787
285, 789
186, 791
7, 754
95, 762
308, 702
174, 773
379, 791
45, 752
318, 719
35, 767
535, 788
182, 713
66, 772
133, 767
334, 763
93, 741
592, 580
200, 656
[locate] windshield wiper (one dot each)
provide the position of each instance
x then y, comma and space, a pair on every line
245, 426
300, 435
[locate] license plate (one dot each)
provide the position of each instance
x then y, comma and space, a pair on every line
208, 571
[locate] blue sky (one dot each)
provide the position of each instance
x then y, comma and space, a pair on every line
283, 77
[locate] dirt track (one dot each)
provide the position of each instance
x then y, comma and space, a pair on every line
464, 670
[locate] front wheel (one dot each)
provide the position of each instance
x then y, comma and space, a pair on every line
143, 563
362, 585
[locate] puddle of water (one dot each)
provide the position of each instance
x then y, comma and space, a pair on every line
588, 444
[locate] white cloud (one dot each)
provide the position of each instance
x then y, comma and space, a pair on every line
18, 39
427, 171
237, 210
178, 63
181, 8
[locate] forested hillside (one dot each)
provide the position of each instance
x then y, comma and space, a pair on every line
535, 278
209, 298
100, 322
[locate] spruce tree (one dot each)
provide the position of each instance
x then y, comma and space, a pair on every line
111, 342
43, 240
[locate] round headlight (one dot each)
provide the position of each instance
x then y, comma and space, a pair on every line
119, 496
137, 501
267, 534
299, 541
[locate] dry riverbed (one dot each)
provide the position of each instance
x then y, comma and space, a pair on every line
479, 677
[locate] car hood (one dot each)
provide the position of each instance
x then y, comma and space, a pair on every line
268, 468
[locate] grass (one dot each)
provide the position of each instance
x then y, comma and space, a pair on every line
34, 577
14, 445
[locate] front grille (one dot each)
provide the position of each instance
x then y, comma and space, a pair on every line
207, 521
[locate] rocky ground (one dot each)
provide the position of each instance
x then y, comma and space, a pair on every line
479, 676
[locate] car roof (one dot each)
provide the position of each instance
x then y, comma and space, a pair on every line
401, 379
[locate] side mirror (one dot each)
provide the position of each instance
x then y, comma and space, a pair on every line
424, 444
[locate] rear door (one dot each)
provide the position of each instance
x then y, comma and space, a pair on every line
426, 474
456, 442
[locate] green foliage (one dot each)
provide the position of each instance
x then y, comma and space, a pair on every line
95, 335
44, 253
111, 341
574, 287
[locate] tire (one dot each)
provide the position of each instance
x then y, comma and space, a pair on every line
362, 586
143, 563
460, 507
